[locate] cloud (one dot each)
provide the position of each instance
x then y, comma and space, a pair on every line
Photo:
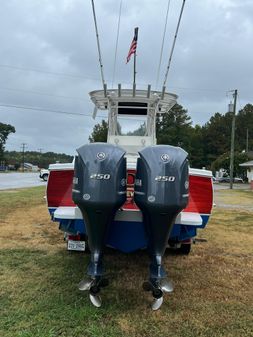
51, 53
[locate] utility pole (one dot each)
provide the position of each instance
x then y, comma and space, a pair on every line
247, 141
232, 150
40, 151
23, 146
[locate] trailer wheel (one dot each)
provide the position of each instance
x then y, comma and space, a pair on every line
185, 248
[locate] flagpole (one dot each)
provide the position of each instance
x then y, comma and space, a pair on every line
136, 37
135, 68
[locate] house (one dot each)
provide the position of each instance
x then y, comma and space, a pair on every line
249, 166
31, 167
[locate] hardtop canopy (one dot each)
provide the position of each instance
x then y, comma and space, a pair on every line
162, 101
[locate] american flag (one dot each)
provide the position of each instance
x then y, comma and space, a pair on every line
133, 45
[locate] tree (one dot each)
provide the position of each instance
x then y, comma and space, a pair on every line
217, 136
203, 143
5, 130
244, 121
174, 127
99, 133
138, 132
197, 154
223, 161
217, 133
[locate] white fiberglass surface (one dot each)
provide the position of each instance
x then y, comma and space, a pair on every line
132, 125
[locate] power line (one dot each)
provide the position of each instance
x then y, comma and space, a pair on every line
47, 72
87, 100
56, 111
85, 77
42, 94
43, 109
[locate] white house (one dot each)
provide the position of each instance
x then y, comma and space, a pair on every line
31, 167
249, 166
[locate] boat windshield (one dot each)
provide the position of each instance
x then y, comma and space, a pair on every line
132, 125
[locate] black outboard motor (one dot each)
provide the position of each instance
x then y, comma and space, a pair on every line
161, 192
99, 190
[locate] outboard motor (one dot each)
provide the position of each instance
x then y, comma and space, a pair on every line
161, 192
99, 190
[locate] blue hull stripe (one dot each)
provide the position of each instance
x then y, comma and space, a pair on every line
128, 236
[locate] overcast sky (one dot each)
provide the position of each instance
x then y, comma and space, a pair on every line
48, 59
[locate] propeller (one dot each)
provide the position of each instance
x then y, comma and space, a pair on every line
93, 285
95, 300
166, 286
85, 284
157, 303
158, 288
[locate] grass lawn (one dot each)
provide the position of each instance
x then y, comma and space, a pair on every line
39, 298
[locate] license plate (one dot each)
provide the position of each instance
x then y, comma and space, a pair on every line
76, 245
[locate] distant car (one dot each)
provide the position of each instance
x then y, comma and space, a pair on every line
227, 180
44, 174
224, 180
238, 180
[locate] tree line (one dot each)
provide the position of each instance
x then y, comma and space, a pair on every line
43, 160
15, 158
208, 145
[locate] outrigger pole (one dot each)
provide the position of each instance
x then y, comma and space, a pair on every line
99, 50
172, 48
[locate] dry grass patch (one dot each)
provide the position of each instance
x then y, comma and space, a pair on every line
25, 221
39, 298
241, 199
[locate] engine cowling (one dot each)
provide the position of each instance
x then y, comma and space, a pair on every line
99, 190
161, 192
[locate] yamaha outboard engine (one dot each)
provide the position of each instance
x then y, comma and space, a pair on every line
99, 190
161, 192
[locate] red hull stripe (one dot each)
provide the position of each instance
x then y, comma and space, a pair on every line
201, 195
59, 188
59, 192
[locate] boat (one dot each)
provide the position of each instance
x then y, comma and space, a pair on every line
130, 193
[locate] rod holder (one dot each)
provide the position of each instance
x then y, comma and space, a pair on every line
119, 90
134, 89
163, 92
105, 89
149, 89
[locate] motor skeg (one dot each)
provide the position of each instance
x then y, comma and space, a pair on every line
161, 192
99, 190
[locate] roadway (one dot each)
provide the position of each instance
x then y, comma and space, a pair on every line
31, 179
20, 180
